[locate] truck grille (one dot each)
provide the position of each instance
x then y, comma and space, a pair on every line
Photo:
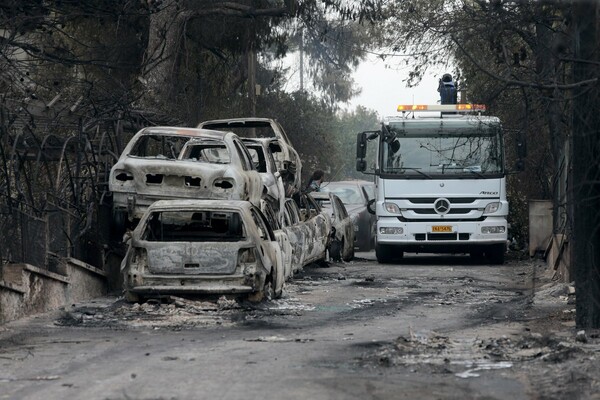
422, 209
431, 211
442, 236
431, 200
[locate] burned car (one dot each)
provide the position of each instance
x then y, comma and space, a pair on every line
298, 231
262, 155
286, 157
283, 238
357, 196
174, 163
341, 243
316, 225
202, 247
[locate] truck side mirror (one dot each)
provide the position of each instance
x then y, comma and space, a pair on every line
361, 145
361, 165
361, 148
361, 152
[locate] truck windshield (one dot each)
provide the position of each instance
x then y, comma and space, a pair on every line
435, 152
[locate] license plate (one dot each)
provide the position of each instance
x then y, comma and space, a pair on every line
441, 228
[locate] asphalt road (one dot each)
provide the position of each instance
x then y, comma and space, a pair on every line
431, 327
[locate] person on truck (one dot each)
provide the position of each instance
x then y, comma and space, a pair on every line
447, 89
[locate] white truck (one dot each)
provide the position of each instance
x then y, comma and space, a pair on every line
440, 182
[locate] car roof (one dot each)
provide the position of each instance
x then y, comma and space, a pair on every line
260, 140
183, 131
200, 204
240, 122
212, 135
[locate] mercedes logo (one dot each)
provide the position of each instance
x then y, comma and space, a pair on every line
441, 206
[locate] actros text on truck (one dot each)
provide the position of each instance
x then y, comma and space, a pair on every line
440, 182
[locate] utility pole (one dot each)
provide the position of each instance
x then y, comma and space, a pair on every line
252, 81
302, 60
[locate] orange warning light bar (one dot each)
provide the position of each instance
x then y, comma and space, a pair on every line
413, 107
442, 107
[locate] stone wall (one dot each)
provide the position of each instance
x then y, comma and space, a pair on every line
26, 289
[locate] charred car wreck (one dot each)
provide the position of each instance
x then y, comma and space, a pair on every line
262, 156
175, 163
286, 157
341, 243
203, 247
213, 211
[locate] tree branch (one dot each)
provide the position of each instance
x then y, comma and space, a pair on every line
242, 10
513, 82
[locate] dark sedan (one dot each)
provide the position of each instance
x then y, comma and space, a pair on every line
355, 195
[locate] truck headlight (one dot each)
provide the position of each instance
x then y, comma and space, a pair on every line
492, 208
493, 229
391, 208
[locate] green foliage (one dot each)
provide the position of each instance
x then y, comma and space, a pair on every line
348, 125
324, 139
518, 217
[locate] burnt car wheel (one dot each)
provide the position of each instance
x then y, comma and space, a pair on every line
266, 293
335, 249
132, 297
350, 256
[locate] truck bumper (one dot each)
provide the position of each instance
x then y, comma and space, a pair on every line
442, 236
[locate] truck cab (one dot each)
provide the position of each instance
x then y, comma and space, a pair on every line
440, 182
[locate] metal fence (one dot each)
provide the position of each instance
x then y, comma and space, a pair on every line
53, 181
24, 238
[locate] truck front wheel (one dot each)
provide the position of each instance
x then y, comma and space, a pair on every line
495, 254
386, 254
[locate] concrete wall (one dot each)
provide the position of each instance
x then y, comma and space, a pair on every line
26, 289
540, 225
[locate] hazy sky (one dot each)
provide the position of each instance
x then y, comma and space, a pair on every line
383, 88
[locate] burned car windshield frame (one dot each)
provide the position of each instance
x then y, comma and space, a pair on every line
194, 226
161, 146
208, 151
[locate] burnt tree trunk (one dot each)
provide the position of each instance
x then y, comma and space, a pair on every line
547, 69
586, 165
165, 40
